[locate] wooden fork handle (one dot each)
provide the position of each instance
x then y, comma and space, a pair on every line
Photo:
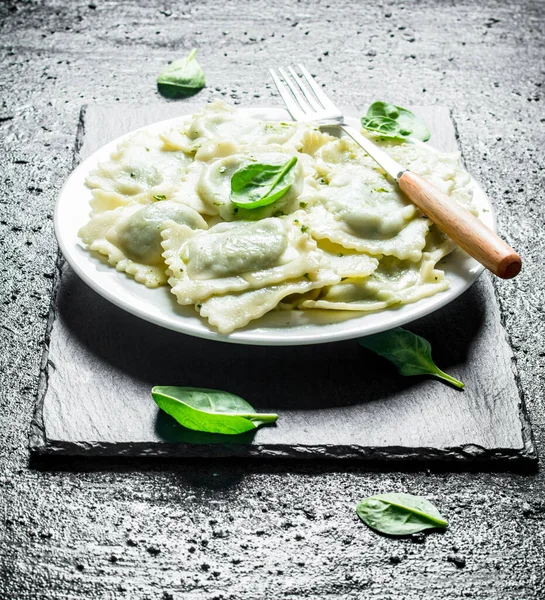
460, 225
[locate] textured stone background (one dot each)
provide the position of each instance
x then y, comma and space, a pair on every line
247, 530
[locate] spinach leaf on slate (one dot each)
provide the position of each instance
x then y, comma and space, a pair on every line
259, 184
182, 77
399, 514
410, 353
212, 411
394, 122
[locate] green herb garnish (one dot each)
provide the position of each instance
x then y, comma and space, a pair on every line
399, 514
212, 411
394, 122
182, 77
410, 353
160, 197
258, 184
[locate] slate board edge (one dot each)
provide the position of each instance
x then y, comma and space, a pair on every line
472, 454
469, 454
37, 437
530, 451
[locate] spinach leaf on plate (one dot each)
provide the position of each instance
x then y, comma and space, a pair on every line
182, 77
258, 184
212, 411
410, 353
399, 514
394, 122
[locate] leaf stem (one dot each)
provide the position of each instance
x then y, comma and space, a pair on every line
452, 380
265, 417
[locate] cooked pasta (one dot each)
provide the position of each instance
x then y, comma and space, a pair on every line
326, 228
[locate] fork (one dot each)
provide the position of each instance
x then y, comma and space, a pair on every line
306, 102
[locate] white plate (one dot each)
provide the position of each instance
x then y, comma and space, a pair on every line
277, 328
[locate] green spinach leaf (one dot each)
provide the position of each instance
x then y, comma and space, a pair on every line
410, 353
182, 77
258, 184
213, 411
394, 122
399, 514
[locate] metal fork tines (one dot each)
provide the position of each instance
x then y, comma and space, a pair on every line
306, 102
303, 97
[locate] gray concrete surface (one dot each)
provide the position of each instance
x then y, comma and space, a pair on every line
238, 529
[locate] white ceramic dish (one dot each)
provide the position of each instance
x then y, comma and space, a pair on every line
277, 328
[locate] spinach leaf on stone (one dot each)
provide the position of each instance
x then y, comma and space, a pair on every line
394, 122
399, 514
259, 184
182, 77
212, 411
410, 353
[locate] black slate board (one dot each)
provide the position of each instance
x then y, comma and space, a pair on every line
334, 400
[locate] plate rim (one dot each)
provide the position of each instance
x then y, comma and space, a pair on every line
351, 327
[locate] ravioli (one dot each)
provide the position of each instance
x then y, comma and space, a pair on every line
219, 123
407, 244
393, 283
237, 256
342, 237
130, 237
233, 311
214, 186
139, 164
